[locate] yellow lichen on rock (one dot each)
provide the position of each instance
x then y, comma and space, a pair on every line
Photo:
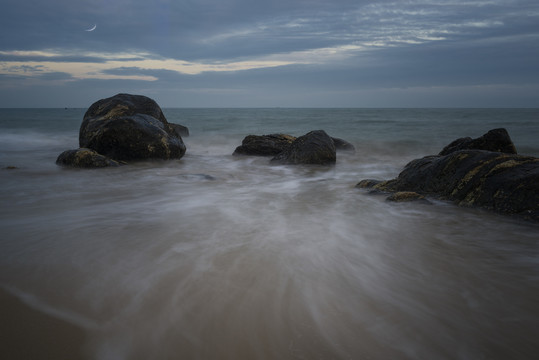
454, 160
469, 175
382, 186
508, 164
118, 110
402, 196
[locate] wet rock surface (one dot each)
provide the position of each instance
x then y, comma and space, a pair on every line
130, 127
497, 140
84, 158
503, 182
406, 196
264, 145
315, 147
274, 144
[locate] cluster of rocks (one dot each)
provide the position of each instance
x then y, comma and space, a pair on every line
125, 128
485, 172
128, 127
315, 148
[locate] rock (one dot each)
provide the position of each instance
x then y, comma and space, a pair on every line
497, 140
274, 144
130, 127
264, 145
124, 105
315, 147
180, 130
505, 183
368, 183
84, 158
406, 196
500, 181
343, 145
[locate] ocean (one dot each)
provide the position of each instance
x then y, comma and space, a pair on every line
215, 256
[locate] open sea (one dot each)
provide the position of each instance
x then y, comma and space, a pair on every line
221, 257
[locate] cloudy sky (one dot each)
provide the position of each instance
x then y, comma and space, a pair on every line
288, 53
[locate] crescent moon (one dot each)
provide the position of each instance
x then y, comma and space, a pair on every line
92, 28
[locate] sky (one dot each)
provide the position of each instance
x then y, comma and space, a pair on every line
271, 53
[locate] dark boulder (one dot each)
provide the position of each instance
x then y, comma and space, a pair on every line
497, 140
499, 181
315, 147
130, 127
264, 145
84, 158
492, 177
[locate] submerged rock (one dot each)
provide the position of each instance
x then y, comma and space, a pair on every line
264, 145
497, 140
181, 130
343, 145
502, 182
130, 127
406, 196
370, 184
84, 158
315, 147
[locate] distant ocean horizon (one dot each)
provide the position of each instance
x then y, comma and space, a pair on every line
219, 256
359, 108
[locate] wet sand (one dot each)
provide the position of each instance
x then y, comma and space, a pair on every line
29, 334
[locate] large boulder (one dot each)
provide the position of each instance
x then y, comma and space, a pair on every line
130, 127
264, 145
84, 158
497, 140
315, 147
502, 182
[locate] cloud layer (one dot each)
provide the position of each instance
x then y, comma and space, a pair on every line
316, 53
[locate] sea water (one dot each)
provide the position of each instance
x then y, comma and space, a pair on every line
215, 256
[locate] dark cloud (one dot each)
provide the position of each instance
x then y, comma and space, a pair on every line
11, 57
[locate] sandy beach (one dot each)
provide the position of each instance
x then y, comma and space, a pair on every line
30, 334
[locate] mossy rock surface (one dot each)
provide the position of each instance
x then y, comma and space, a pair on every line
315, 148
368, 183
264, 145
499, 181
274, 144
406, 196
130, 127
505, 183
84, 158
